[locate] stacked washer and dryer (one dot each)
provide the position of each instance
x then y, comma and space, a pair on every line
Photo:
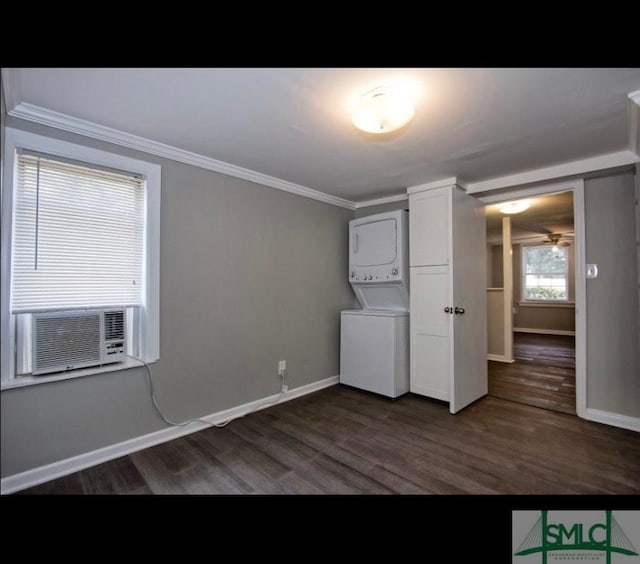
374, 340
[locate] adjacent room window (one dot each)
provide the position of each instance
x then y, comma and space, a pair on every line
83, 234
545, 273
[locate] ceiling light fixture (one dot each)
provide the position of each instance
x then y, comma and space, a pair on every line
383, 109
516, 206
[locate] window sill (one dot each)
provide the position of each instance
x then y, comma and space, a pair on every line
22, 381
548, 304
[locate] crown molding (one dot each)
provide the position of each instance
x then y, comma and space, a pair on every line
72, 124
44, 116
11, 88
380, 201
579, 167
452, 181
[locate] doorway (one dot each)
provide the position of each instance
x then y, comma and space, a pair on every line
531, 295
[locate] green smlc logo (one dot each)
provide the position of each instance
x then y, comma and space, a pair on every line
607, 537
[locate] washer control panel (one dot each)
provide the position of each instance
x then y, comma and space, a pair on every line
391, 274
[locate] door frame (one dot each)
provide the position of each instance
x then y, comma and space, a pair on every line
576, 186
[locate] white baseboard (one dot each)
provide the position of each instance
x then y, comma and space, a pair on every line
543, 331
499, 358
615, 419
61, 468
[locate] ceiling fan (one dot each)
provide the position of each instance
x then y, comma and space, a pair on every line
558, 239
555, 239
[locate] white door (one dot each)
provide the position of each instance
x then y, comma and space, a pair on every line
430, 332
469, 354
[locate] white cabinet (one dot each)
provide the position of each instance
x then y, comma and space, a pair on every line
429, 331
448, 342
429, 227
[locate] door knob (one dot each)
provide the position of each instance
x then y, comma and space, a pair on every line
458, 310
447, 309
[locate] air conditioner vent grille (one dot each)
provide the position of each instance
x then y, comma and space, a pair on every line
66, 340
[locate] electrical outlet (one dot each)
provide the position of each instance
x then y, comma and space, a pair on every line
592, 271
282, 371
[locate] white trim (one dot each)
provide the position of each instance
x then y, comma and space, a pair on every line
580, 297
542, 331
149, 336
6, 213
11, 86
615, 419
48, 472
380, 201
453, 181
577, 186
582, 166
518, 193
568, 305
44, 116
17, 138
23, 381
66, 122
507, 293
634, 122
499, 358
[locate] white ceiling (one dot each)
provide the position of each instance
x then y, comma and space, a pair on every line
551, 213
294, 124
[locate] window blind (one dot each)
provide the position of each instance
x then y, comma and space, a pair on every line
78, 237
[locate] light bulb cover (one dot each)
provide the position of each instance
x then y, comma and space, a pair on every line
382, 110
516, 206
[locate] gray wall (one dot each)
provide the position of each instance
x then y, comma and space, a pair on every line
371, 210
248, 276
495, 322
613, 334
497, 272
551, 318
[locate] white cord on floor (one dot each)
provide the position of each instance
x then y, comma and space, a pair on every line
185, 423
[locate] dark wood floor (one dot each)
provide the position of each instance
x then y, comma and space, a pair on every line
543, 374
345, 441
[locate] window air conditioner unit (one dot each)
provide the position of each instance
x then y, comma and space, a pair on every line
65, 340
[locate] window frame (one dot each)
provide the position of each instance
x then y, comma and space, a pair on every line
149, 315
523, 278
